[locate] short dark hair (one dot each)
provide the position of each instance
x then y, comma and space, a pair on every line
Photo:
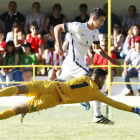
57, 5
132, 6
97, 12
117, 23
83, 5
34, 24
12, 2
35, 3
97, 73
105, 5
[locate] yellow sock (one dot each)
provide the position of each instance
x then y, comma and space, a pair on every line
7, 114
9, 91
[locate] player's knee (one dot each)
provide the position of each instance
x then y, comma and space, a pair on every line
21, 108
22, 89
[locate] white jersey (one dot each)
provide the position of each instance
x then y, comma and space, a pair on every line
81, 39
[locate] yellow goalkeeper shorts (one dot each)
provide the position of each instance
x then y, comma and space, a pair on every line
45, 95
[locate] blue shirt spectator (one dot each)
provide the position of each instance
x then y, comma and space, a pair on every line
114, 19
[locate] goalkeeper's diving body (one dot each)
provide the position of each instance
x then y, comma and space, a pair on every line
47, 94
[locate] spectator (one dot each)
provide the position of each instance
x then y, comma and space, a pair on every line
99, 60
55, 60
2, 47
133, 32
114, 19
49, 40
130, 19
117, 39
37, 16
35, 40
133, 59
28, 57
16, 34
11, 58
83, 16
55, 18
11, 16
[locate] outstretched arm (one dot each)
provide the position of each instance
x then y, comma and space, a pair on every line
102, 98
99, 50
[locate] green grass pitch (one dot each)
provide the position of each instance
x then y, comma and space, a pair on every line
64, 129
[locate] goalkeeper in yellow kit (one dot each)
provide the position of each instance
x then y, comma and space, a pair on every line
47, 94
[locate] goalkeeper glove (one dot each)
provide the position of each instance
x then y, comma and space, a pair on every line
137, 110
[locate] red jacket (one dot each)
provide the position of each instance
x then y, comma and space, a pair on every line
99, 60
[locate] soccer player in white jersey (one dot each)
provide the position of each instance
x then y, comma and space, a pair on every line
83, 35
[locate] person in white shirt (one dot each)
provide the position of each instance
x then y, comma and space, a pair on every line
83, 35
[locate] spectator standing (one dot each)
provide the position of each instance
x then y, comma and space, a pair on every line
133, 32
83, 14
55, 18
11, 16
99, 60
114, 19
11, 58
37, 16
130, 19
133, 59
35, 40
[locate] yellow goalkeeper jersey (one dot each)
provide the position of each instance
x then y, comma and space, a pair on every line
81, 89
84, 89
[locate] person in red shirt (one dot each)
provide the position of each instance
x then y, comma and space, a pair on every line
35, 40
55, 59
2, 47
99, 60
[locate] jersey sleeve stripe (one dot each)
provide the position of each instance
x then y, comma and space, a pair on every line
66, 27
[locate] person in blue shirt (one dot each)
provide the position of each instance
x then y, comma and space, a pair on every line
114, 19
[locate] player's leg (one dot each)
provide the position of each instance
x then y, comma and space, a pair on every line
38, 88
27, 75
44, 101
2, 79
138, 87
10, 91
131, 73
18, 109
58, 72
51, 74
32, 105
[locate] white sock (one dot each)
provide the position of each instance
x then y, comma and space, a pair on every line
97, 110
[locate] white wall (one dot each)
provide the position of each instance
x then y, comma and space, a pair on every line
71, 7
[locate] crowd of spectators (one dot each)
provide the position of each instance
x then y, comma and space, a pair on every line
30, 40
